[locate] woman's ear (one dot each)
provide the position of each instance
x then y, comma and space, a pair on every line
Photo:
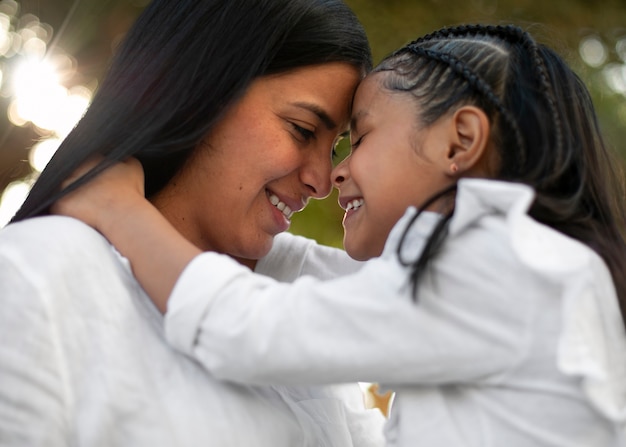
469, 142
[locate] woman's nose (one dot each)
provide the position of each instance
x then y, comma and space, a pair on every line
315, 174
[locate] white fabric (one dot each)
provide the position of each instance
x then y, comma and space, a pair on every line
294, 256
515, 339
84, 362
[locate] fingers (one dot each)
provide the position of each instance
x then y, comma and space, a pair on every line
109, 194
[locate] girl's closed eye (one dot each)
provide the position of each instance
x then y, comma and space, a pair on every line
356, 143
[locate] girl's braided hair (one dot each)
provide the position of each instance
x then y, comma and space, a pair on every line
543, 123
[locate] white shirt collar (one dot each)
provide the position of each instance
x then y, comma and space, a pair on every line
592, 340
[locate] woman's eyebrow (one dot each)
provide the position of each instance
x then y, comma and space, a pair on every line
321, 114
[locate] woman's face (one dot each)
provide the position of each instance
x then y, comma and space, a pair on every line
267, 156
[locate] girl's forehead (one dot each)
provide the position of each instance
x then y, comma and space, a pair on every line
376, 105
372, 92
370, 86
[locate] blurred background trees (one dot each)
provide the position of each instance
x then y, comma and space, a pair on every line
41, 98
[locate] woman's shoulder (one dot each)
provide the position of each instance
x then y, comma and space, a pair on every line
51, 240
47, 227
47, 262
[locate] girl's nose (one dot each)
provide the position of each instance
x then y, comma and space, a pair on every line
339, 174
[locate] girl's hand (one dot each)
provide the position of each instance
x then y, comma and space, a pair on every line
114, 204
105, 198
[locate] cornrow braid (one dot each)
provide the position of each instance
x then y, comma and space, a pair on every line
444, 33
574, 174
508, 33
478, 84
513, 35
550, 95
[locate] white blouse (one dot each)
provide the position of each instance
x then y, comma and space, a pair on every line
84, 362
515, 337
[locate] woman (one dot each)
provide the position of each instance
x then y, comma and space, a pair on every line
232, 106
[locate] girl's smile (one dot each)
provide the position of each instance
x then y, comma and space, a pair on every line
390, 168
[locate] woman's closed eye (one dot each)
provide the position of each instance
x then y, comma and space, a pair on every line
305, 134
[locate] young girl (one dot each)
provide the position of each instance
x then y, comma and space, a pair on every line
492, 310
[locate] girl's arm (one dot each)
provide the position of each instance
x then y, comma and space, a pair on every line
293, 256
362, 327
114, 204
250, 328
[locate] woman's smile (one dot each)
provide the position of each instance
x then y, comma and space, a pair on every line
268, 155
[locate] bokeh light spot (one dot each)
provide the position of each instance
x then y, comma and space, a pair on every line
592, 51
620, 48
11, 200
615, 77
41, 153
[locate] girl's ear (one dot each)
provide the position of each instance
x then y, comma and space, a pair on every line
469, 142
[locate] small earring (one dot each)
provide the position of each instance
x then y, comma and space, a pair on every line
454, 168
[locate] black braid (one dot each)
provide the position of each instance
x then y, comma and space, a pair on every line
516, 37
434, 241
444, 33
550, 95
513, 35
477, 83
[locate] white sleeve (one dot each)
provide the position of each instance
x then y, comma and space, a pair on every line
363, 327
32, 403
293, 256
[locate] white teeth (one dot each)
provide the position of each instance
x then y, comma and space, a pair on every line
274, 200
355, 204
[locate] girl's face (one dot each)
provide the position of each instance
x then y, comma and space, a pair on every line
393, 164
267, 156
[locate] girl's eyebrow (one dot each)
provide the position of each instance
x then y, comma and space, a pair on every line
321, 114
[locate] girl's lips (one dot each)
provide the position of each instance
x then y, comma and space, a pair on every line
351, 203
354, 204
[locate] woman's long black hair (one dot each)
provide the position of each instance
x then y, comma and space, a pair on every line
181, 64
543, 123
